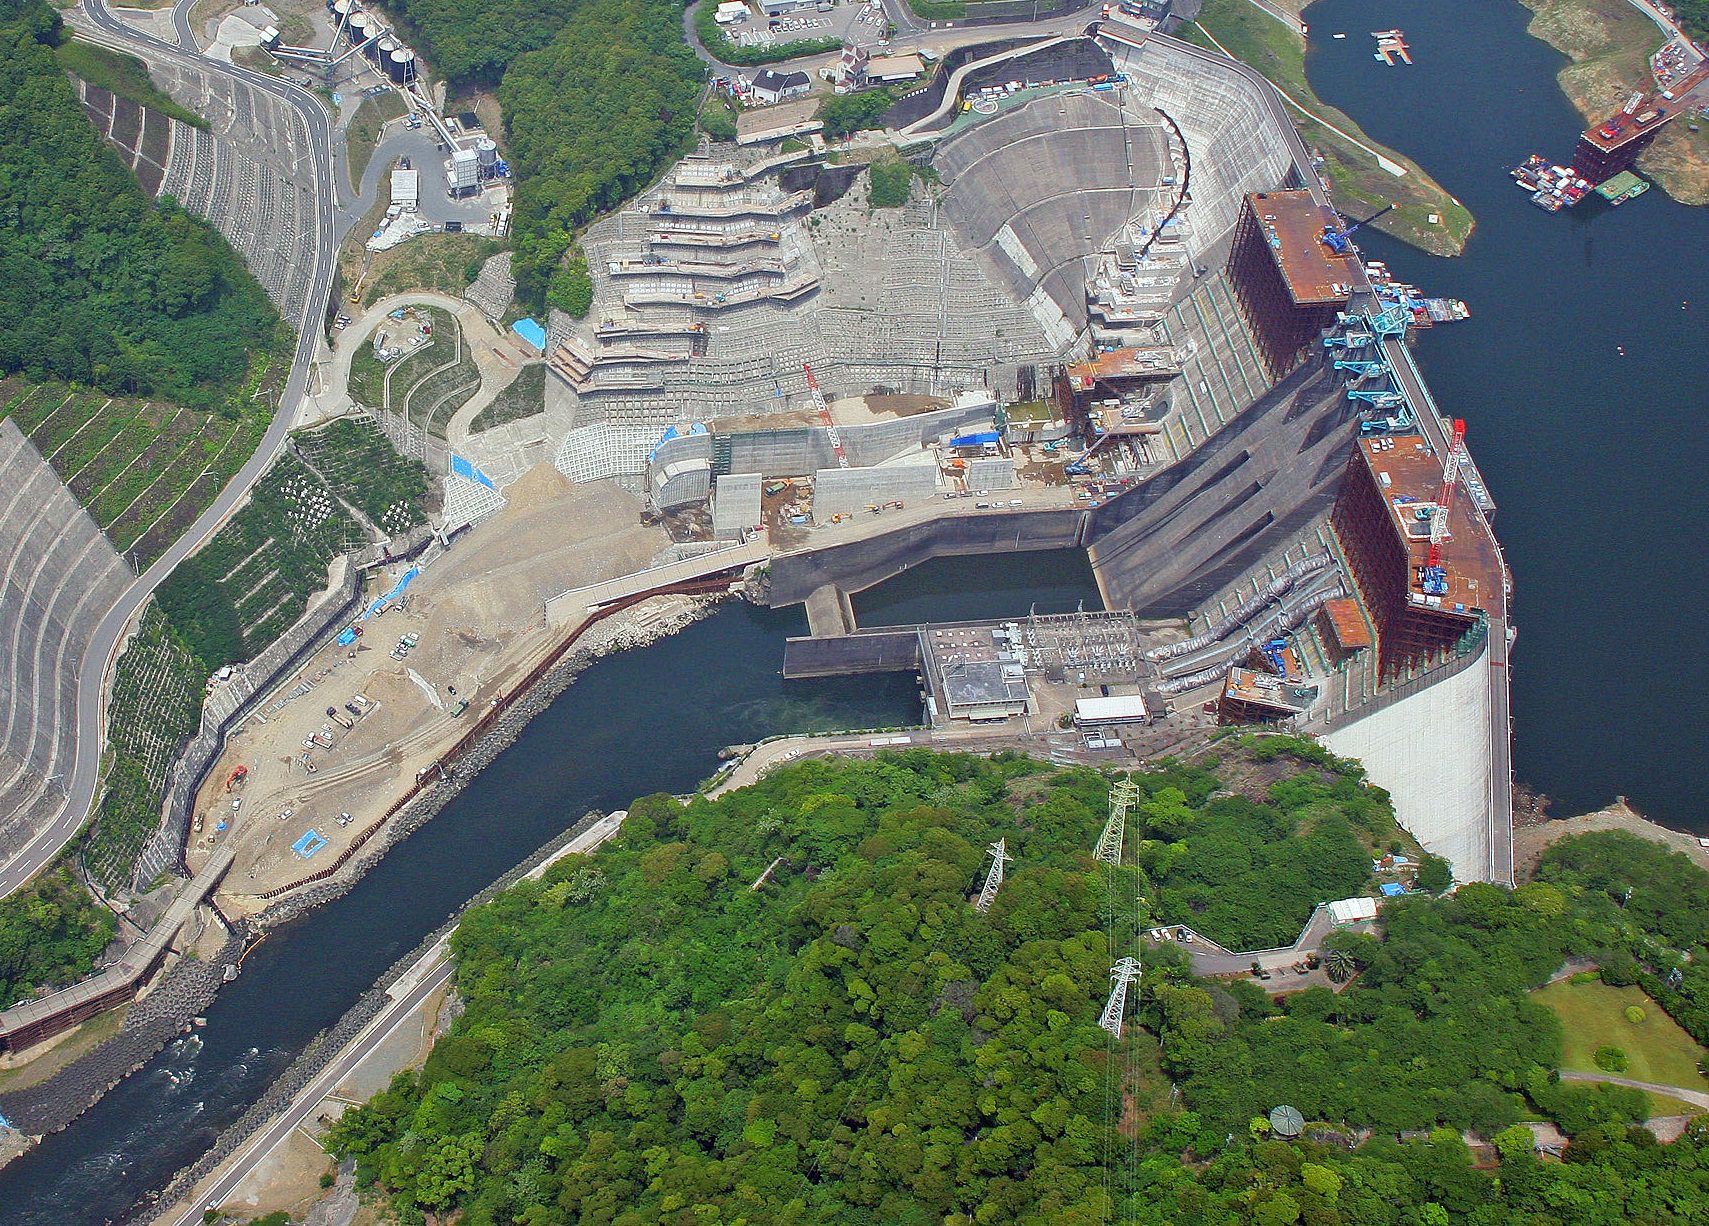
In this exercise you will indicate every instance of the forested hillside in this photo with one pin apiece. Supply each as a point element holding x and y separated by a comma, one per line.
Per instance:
<point>666,1031</point>
<point>598,96</point>
<point>98,284</point>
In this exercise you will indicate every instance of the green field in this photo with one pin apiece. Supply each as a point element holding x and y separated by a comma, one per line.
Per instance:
<point>364,131</point>
<point>124,75</point>
<point>255,578</point>
<point>143,468</point>
<point>1355,178</point>
<point>1593,1014</point>
<point>361,467</point>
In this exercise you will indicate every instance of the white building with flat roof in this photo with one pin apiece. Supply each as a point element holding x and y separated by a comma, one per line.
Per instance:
<point>406,189</point>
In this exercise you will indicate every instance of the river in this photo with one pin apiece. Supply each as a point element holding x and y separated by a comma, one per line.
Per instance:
<point>1591,456</point>
<point>641,722</point>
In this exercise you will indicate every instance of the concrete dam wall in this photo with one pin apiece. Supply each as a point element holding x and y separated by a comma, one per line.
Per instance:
<point>1168,546</point>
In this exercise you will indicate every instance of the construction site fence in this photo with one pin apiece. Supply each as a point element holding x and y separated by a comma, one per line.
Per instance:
<point>432,775</point>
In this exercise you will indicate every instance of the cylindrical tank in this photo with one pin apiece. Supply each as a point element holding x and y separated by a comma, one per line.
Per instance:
<point>357,30</point>
<point>395,65</point>
<point>341,11</point>
<point>372,50</point>
<point>403,61</point>
<point>486,153</point>
<point>386,45</point>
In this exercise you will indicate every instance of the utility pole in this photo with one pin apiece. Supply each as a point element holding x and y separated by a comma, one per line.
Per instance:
<point>994,878</point>
<point>1122,973</point>
<point>1122,795</point>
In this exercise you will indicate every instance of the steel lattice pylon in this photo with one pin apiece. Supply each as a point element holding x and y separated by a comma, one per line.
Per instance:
<point>1122,973</point>
<point>1122,796</point>
<point>993,879</point>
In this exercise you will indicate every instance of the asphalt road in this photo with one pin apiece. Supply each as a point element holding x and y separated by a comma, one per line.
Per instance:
<point>378,1031</point>
<point>82,778</point>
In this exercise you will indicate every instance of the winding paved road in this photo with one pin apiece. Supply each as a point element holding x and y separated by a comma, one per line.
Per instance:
<point>83,777</point>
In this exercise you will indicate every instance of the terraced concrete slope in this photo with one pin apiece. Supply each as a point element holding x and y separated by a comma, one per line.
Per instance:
<point>58,577</point>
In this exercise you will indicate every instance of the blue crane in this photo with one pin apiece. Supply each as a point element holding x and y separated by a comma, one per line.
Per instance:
<point>1340,239</point>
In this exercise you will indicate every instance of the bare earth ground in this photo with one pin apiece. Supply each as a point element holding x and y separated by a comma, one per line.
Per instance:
<point>1530,841</point>
<point>479,612</point>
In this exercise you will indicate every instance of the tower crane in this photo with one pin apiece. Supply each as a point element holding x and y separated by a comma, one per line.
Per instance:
<point>825,412</point>
<point>1435,578</point>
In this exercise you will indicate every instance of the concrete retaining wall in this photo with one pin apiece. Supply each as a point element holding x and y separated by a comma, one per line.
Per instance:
<point>860,564</point>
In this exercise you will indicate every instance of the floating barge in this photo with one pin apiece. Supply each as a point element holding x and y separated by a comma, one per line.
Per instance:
<point>1551,187</point>
<point>1391,46</point>
<point>1622,187</point>
<point>1422,312</point>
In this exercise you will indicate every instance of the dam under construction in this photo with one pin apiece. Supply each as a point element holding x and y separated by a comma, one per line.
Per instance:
<point>1130,322</point>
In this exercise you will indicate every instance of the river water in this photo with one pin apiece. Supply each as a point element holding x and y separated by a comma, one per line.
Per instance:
<point>1595,459</point>
<point>1592,456</point>
<point>641,722</point>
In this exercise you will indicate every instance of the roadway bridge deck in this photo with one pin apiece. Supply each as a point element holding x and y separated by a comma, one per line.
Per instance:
<point>578,602</point>
<point>29,1023</point>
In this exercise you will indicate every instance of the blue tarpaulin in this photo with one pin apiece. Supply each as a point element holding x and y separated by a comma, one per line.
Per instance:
<point>348,637</point>
<point>311,842</point>
<point>463,468</point>
<point>530,331</point>
<point>1392,889</point>
<point>975,440</point>
<point>379,605</point>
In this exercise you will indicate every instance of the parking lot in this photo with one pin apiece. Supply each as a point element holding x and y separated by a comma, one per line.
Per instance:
<point>859,23</point>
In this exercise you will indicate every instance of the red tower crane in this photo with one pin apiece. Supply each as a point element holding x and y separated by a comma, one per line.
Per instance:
<point>1435,579</point>
<point>825,412</point>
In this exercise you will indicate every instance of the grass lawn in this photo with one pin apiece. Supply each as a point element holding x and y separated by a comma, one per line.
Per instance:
<point>1356,180</point>
<point>363,134</point>
<point>1594,1014</point>
<point>125,75</point>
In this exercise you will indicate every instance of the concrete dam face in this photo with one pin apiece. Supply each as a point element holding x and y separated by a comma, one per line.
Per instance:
<point>1168,546</point>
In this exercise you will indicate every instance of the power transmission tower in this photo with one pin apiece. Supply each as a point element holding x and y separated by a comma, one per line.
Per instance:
<point>1122,796</point>
<point>1122,973</point>
<point>993,879</point>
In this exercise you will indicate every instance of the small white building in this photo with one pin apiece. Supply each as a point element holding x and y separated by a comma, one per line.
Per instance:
<point>732,11</point>
<point>771,87</point>
<point>889,69</point>
<point>1353,910</point>
<point>1109,712</point>
<point>406,189</point>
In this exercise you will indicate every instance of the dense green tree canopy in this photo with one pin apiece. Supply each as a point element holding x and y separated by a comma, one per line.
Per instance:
<point>653,1035</point>
<point>50,934</point>
<point>598,96</point>
<point>97,283</point>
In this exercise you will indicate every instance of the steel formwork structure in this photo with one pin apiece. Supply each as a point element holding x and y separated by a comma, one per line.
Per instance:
<point>1283,330</point>
<point>1407,634</point>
